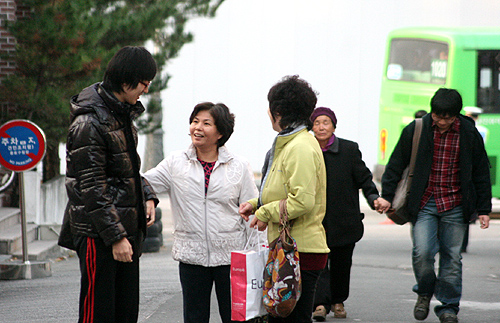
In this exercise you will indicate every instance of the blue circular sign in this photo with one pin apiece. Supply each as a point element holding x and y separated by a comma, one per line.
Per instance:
<point>22,145</point>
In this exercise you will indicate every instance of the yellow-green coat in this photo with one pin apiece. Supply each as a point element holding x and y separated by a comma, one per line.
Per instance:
<point>297,173</point>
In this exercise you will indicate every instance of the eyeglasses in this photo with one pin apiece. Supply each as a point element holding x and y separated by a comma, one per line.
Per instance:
<point>435,117</point>
<point>147,85</point>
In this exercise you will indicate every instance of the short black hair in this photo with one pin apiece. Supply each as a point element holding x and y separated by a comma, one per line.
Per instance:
<point>293,99</point>
<point>130,65</point>
<point>223,118</point>
<point>446,102</point>
<point>420,114</point>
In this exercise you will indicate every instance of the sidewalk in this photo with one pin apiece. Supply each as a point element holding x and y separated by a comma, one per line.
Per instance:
<point>381,281</point>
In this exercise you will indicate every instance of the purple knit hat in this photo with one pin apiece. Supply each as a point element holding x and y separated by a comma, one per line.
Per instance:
<point>326,112</point>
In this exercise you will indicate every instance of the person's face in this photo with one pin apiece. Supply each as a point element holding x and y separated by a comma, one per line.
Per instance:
<point>203,131</point>
<point>323,128</point>
<point>443,122</point>
<point>275,122</point>
<point>132,95</point>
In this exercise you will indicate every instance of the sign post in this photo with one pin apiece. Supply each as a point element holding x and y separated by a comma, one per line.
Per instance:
<point>22,147</point>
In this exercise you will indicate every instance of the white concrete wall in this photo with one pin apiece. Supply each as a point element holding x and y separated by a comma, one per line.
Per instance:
<point>45,203</point>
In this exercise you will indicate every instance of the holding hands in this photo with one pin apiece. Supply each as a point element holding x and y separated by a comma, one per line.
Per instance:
<point>381,205</point>
<point>246,209</point>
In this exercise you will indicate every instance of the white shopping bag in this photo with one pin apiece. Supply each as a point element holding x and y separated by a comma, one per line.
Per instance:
<point>247,267</point>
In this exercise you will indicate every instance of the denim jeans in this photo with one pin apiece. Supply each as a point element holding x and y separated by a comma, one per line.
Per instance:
<point>444,233</point>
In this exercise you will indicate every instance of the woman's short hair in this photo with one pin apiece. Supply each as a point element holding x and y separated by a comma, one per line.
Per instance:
<point>293,99</point>
<point>130,65</point>
<point>420,114</point>
<point>223,118</point>
<point>446,102</point>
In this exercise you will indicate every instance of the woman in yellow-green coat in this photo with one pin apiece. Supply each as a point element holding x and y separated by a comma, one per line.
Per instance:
<point>294,170</point>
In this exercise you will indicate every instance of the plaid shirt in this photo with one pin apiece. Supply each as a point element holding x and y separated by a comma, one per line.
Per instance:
<point>444,180</point>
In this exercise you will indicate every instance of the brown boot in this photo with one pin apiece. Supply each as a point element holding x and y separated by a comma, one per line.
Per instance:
<point>339,311</point>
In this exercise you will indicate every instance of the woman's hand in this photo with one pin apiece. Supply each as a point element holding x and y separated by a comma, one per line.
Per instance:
<point>381,205</point>
<point>246,209</point>
<point>260,225</point>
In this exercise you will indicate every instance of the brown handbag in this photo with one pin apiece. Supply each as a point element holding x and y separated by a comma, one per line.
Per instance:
<point>398,212</point>
<point>282,282</point>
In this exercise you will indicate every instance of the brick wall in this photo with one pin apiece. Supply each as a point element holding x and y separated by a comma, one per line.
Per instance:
<point>10,10</point>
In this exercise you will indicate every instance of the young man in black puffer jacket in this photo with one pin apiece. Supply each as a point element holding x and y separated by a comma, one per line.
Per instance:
<point>110,204</point>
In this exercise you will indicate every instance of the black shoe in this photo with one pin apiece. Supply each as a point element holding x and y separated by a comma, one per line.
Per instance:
<point>421,310</point>
<point>448,318</point>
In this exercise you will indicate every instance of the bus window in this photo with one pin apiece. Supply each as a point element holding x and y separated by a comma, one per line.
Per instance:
<point>417,60</point>
<point>488,91</point>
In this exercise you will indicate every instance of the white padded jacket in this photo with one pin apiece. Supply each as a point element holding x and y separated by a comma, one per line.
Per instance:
<point>206,228</point>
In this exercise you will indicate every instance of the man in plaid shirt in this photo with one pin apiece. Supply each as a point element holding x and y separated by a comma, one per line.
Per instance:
<point>451,184</point>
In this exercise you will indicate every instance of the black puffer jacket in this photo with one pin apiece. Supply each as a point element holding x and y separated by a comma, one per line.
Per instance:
<point>105,190</point>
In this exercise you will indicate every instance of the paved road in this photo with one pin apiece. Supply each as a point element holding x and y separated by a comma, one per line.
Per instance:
<point>381,282</point>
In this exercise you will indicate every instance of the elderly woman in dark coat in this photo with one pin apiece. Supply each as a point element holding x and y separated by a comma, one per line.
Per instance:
<point>346,175</point>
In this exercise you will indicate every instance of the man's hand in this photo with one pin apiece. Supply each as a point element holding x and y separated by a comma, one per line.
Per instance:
<point>484,220</point>
<point>150,212</point>
<point>122,250</point>
<point>381,205</point>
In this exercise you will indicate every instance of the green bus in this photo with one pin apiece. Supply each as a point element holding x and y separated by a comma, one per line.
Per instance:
<point>420,60</point>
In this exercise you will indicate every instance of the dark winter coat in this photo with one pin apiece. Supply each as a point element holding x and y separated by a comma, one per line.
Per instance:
<point>475,183</point>
<point>346,175</point>
<point>105,190</point>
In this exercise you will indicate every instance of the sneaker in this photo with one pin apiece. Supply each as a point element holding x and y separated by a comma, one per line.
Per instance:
<point>319,314</point>
<point>448,318</point>
<point>339,311</point>
<point>421,310</point>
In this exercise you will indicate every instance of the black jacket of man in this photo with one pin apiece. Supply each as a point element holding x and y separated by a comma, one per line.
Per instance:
<point>475,182</point>
<point>106,192</point>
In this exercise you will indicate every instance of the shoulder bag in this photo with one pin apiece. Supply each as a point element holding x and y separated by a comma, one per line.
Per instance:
<point>398,212</point>
<point>282,283</point>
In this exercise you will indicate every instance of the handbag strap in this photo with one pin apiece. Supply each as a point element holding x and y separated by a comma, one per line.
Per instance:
<point>284,223</point>
<point>416,140</point>
<point>284,228</point>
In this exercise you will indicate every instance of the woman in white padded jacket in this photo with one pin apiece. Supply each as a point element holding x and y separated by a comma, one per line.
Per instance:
<point>206,184</point>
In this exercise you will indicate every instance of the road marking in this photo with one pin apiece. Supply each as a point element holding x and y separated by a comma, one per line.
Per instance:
<point>485,306</point>
<point>481,305</point>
